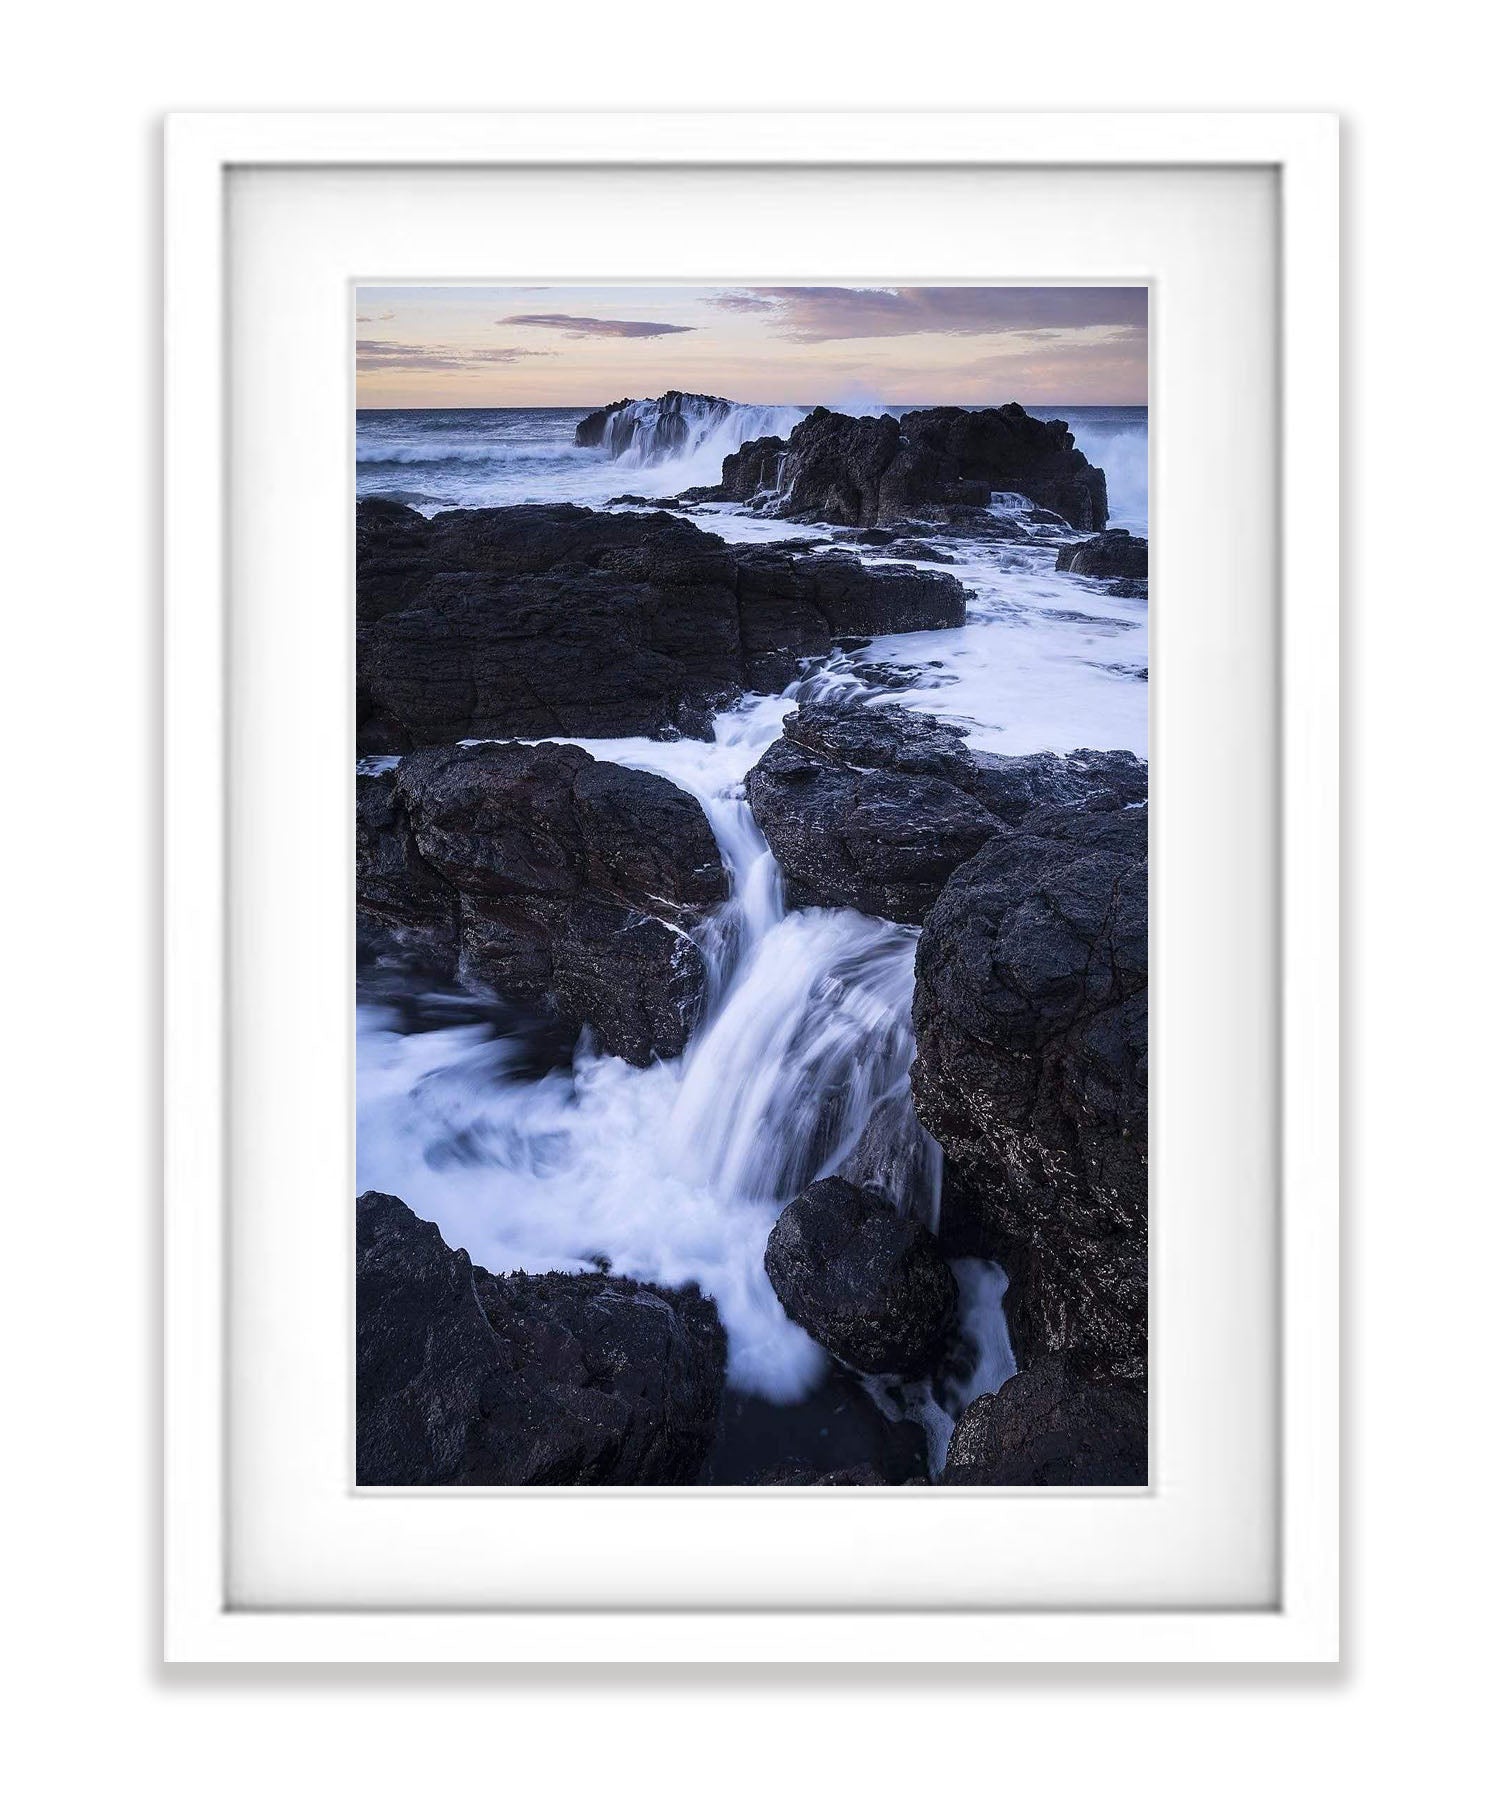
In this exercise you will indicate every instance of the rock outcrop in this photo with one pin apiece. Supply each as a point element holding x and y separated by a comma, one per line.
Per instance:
<point>1030,1019</point>
<point>468,1378</point>
<point>884,471</point>
<point>535,870</point>
<point>866,1282</point>
<point>654,428</point>
<point>1046,1428</point>
<point>1112,556</point>
<point>875,806</point>
<point>589,432</point>
<point>555,621</point>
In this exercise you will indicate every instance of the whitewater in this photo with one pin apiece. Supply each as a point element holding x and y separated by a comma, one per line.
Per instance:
<point>540,1155</point>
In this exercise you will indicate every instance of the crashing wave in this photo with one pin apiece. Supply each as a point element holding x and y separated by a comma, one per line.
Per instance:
<point>698,430</point>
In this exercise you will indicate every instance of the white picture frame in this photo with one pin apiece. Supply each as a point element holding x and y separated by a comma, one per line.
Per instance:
<point>201,1619</point>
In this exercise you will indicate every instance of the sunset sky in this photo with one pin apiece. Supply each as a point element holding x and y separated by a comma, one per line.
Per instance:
<point>556,346</point>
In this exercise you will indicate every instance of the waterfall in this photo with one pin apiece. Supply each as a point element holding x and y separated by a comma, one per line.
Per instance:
<point>674,1172</point>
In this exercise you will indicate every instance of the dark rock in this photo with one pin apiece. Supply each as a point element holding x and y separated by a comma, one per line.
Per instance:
<point>899,678</point>
<point>1015,787</point>
<point>751,471</point>
<point>397,894</point>
<point>550,877</point>
<point>863,1280</point>
<point>1047,1428</point>
<point>895,1154</point>
<point>1113,555</point>
<point>654,429</point>
<point>588,433</point>
<point>868,807</point>
<point>794,606</point>
<point>916,550</point>
<point>876,806</point>
<point>554,621</point>
<point>794,1474</point>
<point>468,1378</point>
<point>879,472</point>
<point>1030,1019</point>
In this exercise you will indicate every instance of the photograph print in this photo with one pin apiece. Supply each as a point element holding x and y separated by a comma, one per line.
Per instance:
<point>751,886</point>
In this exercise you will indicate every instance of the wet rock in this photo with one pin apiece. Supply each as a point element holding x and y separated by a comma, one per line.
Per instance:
<point>1047,1428</point>
<point>1113,555</point>
<point>794,1474</point>
<point>468,1378</point>
<point>868,808</point>
<point>589,432</point>
<point>895,1155</point>
<point>795,606</point>
<point>1030,1018</point>
<point>399,897</point>
<point>750,471</point>
<point>555,621</point>
<point>1016,787</point>
<point>654,429</point>
<point>879,472</point>
<point>978,522</point>
<point>866,1282</point>
<point>550,877</point>
<point>918,550</point>
<point>875,806</point>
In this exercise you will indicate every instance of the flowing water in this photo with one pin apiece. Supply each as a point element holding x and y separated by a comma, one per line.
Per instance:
<point>535,1155</point>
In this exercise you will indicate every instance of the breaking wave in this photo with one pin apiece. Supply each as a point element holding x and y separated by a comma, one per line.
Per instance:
<point>694,432</point>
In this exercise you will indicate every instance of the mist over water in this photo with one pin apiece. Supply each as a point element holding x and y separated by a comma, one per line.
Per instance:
<point>676,1173</point>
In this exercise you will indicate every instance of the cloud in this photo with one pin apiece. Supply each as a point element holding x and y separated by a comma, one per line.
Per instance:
<point>372,354</point>
<point>819,315</point>
<point>577,326</point>
<point>749,300</point>
<point>372,318</point>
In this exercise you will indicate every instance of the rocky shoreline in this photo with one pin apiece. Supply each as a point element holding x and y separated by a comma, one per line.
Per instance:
<point>542,621</point>
<point>547,875</point>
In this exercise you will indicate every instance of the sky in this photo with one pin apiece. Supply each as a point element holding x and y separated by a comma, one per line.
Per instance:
<point>801,346</point>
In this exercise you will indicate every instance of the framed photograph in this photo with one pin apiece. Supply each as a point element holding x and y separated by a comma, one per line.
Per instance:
<point>752,888</point>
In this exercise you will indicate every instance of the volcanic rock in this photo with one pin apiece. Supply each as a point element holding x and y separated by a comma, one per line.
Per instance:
<point>547,876</point>
<point>875,806</point>
<point>1030,1020</point>
<point>554,621</point>
<point>882,471</point>
<point>468,1378</point>
<point>1046,1428</point>
<point>863,1280</point>
<point>661,427</point>
<point>1113,556</point>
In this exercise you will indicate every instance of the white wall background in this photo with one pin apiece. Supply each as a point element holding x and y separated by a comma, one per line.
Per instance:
<point>79,374</point>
